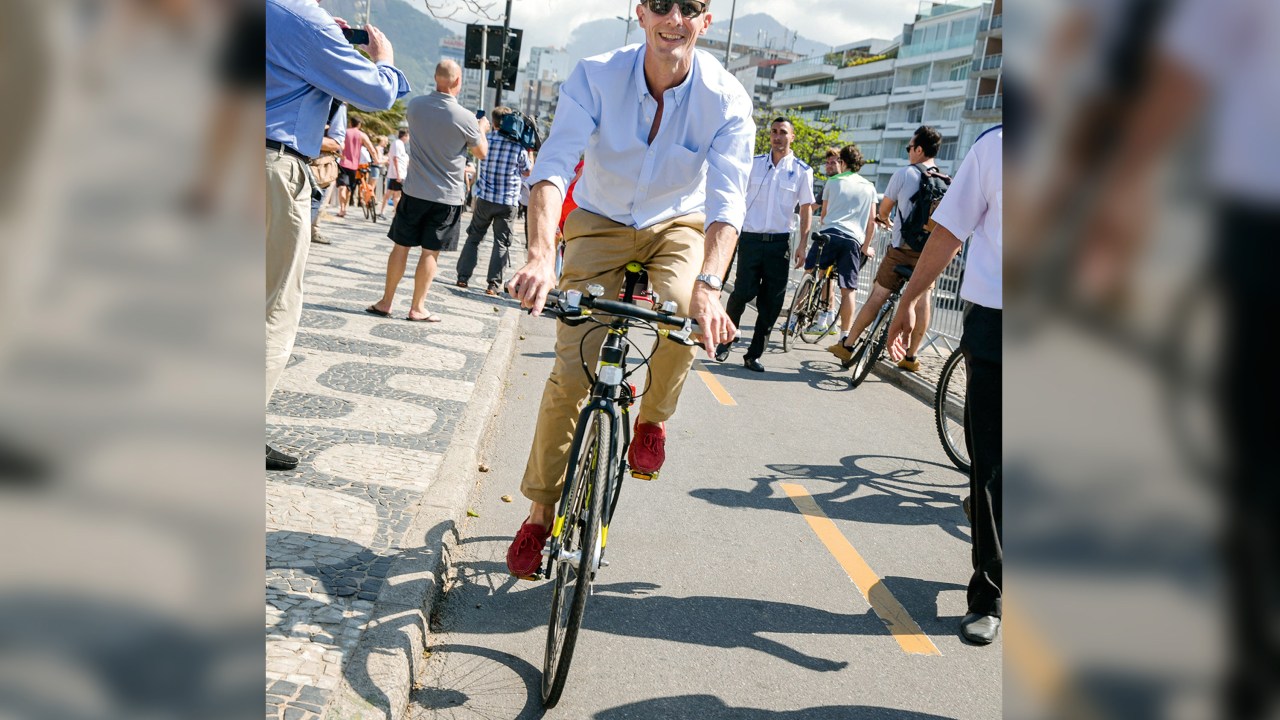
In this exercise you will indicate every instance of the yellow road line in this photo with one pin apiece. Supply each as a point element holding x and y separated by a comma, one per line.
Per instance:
<point>895,617</point>
<point>714,385</point>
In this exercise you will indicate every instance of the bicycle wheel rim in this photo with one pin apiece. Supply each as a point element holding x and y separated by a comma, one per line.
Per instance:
<point>948,411</point>
<point>868,348</point>
<point>812,307</point>
<point>572,582</point>
<point>790,326</point>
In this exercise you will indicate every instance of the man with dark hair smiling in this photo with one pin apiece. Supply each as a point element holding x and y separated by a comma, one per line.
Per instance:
<point>667,135</point>
<point>779,181</point>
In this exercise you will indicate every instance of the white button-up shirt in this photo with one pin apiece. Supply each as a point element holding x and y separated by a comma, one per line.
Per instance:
<point>975,205</point>
<point>698,162</point>
<point>773,193</point>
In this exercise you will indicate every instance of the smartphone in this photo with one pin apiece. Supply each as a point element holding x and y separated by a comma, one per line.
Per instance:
<point>479,114</point>
<point>356,37</point>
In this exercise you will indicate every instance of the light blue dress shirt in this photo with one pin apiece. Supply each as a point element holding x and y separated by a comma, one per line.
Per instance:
<point>309,62</point>
<point>698,162</point>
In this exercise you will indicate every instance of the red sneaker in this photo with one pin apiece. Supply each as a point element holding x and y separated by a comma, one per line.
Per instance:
<point>648,448</point>
<point>524,557</point>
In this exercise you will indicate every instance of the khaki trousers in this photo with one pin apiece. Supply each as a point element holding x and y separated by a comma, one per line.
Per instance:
<point>288,240</point>
<point>597,251</point>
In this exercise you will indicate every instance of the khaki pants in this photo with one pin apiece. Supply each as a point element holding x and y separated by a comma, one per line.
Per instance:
<point>597,251</point>
<point>288,239</point>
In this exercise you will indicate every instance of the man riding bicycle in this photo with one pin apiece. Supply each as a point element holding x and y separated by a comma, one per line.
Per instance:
<point>674,202</point>
<point>848,224</point>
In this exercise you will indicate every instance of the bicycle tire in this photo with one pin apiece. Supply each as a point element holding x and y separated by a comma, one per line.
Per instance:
<point>797,313</point>
<point>870,345</point>
<point>582,523</point>
<point>815,308</point>
<point>948,411</point>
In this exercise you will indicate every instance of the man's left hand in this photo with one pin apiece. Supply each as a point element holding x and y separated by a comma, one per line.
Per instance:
<point>713,322</point>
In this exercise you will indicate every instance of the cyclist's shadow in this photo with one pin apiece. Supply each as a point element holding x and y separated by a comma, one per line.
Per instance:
<point>905,494</point>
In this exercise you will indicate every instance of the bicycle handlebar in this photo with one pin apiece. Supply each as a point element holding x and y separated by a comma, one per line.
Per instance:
<point>558,304</point>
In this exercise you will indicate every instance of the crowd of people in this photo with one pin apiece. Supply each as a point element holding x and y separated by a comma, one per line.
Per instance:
<point>622,140</point>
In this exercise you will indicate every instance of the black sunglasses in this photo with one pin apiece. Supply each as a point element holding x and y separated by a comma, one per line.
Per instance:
<point>688,8</point>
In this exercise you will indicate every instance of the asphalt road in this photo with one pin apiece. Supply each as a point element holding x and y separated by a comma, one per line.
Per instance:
<point>734,585</point>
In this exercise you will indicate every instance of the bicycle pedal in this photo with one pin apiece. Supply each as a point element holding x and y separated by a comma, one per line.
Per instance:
<point>644,476</point>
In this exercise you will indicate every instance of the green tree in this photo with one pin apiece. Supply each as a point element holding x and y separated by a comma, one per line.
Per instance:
<point>383,122</point>
<point>811,143</point>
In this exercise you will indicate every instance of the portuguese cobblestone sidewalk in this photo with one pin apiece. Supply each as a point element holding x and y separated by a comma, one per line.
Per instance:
<point>370,405</point>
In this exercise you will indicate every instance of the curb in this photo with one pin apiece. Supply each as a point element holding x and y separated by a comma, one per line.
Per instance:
<point>908,381</point>
<point>386,664</point>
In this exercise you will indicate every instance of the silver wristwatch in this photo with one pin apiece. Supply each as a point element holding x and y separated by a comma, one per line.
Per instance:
<point>712,281</point>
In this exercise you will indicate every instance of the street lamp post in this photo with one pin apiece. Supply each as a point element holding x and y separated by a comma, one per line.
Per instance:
<point>626,40</point>
<point>728,46</point>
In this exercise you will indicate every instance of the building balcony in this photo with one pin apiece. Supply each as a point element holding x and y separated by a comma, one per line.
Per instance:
<point>806,70</point>
<point>805,96</point>
<point>990,62</point>
<point>859,102</point>
<point>908,92</point>
<point>984,102</point>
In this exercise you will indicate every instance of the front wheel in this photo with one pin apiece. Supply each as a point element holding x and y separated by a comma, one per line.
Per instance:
<point>577,549</point>
<point>799,315</point>
<point>948,410</point>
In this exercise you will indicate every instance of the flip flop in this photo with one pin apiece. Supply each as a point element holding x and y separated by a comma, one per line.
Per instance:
<point>375,311</point>
<point>430,318</point>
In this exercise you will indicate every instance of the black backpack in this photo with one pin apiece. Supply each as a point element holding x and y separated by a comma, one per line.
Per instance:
<point>521,129</point>
<point>917,225</point>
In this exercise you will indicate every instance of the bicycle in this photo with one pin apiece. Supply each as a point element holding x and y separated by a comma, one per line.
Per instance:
<point>597,460</point>
<point>871,343</point>
<point>811,299</point>
<point>365,195</point>
<point>948,410</point>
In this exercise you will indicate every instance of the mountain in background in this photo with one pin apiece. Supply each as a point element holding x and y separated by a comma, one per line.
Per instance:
<point>761,30</point>
<point>415,37</point>
<point>598,36</point>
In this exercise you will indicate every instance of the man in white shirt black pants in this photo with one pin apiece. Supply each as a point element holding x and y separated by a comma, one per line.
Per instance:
<point>779,180</point>
<point>974,205</point>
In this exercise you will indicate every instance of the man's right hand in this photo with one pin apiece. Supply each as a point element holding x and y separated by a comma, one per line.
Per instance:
<point>379,47</point>
<point>531,284</point>
<point>485,125</point>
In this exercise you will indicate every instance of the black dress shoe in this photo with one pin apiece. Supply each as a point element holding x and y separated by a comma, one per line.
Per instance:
<point>277,460</point>
<point>979,629</point>
<point>722,351</point>
<point>752,364</point>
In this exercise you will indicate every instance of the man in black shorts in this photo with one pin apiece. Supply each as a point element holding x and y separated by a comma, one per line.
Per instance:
<point>429,210</point>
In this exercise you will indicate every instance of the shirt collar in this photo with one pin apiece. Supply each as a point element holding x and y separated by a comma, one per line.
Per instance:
<point>679,92</point>
<point>786,159</point>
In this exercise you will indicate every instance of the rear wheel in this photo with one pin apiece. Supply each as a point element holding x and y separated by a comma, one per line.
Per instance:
<point>578,549</point>
<point>800,314</point>
<point>868,348</point>
<point>948,410</point>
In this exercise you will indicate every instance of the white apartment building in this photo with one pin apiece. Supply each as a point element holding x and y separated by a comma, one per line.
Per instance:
<point>539,89</point>
<point>878,92</point>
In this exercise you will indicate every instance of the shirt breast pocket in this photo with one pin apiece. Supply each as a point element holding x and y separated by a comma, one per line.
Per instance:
<point>681,167</point>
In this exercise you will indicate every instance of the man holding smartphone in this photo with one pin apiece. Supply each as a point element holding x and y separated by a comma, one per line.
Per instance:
<point>309,63</point>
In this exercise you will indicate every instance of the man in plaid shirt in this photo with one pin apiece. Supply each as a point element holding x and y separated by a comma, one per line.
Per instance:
<point>497,192</point>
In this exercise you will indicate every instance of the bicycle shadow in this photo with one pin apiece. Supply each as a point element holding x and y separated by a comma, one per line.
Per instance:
<point>629,609</point>
<point>900,498</point>
<point>710,707</point>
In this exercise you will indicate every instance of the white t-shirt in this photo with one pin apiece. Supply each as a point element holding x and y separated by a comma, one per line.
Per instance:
<point>902,187</point>
<point>974,205</point>
<point>364,156</point>
<point>849,198</point>
<point>398,160</point>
